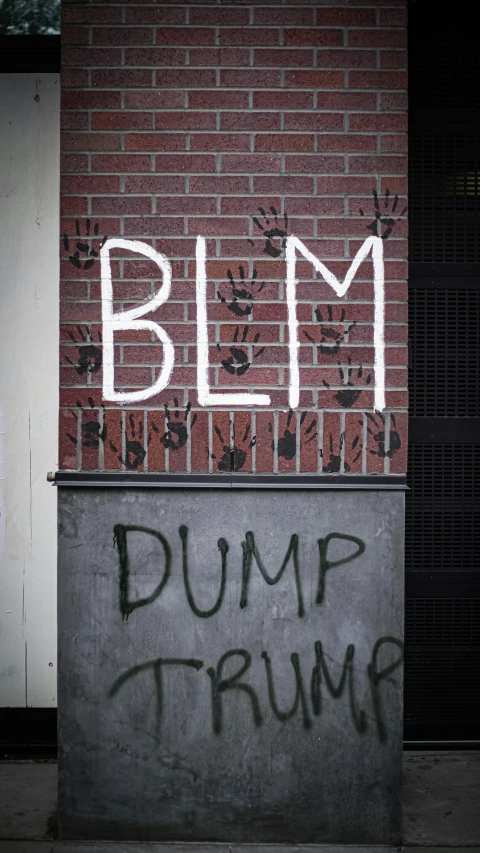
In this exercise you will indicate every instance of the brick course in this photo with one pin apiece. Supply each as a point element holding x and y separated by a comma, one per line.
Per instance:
<point>191,118</point>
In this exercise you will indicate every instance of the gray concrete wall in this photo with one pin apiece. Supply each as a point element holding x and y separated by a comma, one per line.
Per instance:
<point>200,701</point>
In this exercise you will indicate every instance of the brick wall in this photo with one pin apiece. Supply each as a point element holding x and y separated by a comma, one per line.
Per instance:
<point>243,122</point>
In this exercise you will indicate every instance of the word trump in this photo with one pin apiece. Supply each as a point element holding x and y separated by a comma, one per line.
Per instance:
<point>132,320</point>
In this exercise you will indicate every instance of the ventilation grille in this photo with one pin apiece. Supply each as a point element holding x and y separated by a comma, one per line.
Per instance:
<point>444,352</point>
<point>442,660</point>
<point>442,521</point>
<point>444,186</point>
<point>443,57</point>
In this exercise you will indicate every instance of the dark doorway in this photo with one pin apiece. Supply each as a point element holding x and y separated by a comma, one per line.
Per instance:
<point>442,660</point>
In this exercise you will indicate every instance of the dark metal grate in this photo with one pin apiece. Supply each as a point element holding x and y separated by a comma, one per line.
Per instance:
<point>444,189</point>
<point>443,508</point>
<point>442,661</point>
<point>444,352</point>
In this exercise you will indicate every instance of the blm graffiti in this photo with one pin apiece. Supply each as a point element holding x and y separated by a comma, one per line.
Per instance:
<point>326,673</point>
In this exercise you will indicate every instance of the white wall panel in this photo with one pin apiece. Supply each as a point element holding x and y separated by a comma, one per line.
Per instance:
<point>29,193</point>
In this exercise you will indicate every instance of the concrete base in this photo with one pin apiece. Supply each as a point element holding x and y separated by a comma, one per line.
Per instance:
<point>205,694</point>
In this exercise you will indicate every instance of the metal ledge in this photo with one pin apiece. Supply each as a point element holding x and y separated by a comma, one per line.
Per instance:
<point>227,481</point>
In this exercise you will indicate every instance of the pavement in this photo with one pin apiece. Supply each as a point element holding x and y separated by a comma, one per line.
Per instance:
<point>441,812</point>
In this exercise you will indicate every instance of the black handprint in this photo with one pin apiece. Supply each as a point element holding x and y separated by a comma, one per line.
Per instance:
<point>134,450</point>
<point>331,339</point>
<point>349,395</point>
<point>287,444</point>
<point>334,462</point>
<point>379,437</point>
<point>85,248</point>
<point>233,458</point>
<point>353,446</point>
<point>383,218</point>
<point>275,236</point>
<point>92,433</point>
<point>237,362</point>
<point>176,434</point>
<point>89,356</point>
<point>241,289</point>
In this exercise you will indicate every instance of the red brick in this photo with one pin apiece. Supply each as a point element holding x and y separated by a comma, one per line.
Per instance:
<point>377,121</point>
<point>280,100</point>
<point>162,15</point>
<point>344,184</point>
<point>185,163</point>
<point>377,38</point>
<point>154,56</point>
<point>393,17</point>
<point>219,142</point>
<point>282,184</point>
<point>251,78</point>
<point>346,142</point>
<point>390,101</point>
<point>284,142</point>
<point>155,141</point>
<point>302,16</point>
<point>185,121</point>
<point>80,14</point>
<point>217,57</point>
<point>315,36</point>
<point>121,121</point>
<point>199,454</point>
<point>385,165</point>
<point>393,59</point>
<point>250,121</point>
<point>283,58</point>
<point>121,78</point>
<point>264,442</point>
<point>90,141</point>
<point>315,79</point>
<point>398,459</point>
<point>347,101</point>
<point>218,100</point>
<point>346,59</point>
<point>184,35</point>
<point>308,442</point>
<point>68,446</point>
<point>74,78</point>
<point>73,206</point>
<point>394,143</point>
<point>375,443</point>
<point>250,163</point>
<point>74,35</point>
<point>288,442</point>
<point>353,443</point>
<point>314,163</point>
<point>313,121</point>
<point>154,184</point>
<point>220,17</point>
<point>221,443</point>
<point>219,184</point>
<point>184,78</point>
<point>89,100</point>
<point>377,79</point>
<point>153,99</point>
<point>121,163</point>
<point>84,56</point>
<point>249,37</point>
<point>243,440</point>
<point>345,17</point>
<point>331,457</point>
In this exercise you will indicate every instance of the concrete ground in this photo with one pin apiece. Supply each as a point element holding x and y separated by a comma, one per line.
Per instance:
<point>441,812</point>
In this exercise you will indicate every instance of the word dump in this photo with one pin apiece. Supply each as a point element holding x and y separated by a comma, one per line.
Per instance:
<point>250,553</point>
<point>133,320</point>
